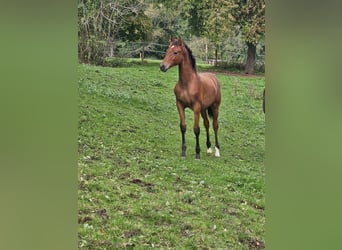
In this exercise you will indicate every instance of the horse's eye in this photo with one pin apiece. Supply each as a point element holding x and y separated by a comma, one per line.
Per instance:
<point>175,53</point>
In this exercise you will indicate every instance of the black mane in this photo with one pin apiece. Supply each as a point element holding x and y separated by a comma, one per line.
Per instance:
<point>191,56</point>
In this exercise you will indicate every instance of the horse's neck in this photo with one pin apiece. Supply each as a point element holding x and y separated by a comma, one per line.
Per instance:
<point>186,72</point>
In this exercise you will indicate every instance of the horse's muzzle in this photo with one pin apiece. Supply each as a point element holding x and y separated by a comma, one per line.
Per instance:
<point>163,68</point>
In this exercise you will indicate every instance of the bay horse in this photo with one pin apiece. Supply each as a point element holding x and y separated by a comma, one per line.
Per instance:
<point>198,91</point>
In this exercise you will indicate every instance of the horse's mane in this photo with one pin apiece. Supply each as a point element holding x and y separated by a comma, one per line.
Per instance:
<point>191,56</point>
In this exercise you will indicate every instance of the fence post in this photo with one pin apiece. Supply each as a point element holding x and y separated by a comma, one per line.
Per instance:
<point>142,53</point>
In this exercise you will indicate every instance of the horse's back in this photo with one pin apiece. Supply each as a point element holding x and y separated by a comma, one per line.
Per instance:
<point>209,79</point>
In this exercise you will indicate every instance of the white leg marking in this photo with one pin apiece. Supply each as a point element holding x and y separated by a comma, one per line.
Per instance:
<point>217,152</point>
<point>209,151</point>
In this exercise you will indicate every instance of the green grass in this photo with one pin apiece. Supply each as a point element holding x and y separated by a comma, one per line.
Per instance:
<point>137,192</point>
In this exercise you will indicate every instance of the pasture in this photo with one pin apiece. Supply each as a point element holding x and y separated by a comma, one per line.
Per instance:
<point>135,189</point>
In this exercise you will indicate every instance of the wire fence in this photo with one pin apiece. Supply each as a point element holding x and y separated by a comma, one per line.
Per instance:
<point>232,57</point>
<point>141,49</point>
<point>154,50</point>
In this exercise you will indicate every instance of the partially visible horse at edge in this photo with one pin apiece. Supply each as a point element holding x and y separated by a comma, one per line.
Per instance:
<point>197,91</point>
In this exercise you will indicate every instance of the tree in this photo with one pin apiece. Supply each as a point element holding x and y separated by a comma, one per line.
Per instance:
<point>249,16</point>
<point>217,25</point>
<point>100,22</point>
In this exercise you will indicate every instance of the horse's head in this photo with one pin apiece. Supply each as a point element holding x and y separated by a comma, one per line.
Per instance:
<point>174,54</point>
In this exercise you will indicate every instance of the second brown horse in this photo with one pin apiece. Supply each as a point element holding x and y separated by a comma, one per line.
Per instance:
<point>197,91</point>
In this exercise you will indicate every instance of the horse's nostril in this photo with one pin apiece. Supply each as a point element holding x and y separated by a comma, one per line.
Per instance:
<point>163,68</point>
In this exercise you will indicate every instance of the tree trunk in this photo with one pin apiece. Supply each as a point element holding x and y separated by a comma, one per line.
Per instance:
<point>216,55</point>
<point>107,49</point>
<point>111,53</point>
<point>251,56</point>
<point>206,52</point>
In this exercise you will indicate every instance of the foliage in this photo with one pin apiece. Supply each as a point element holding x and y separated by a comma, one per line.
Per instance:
<point>249,16</point>
<point>135,191</point>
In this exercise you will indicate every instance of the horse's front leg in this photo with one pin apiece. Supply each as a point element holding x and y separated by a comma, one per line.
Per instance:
<point>197,110</point>
<point>182,126</point>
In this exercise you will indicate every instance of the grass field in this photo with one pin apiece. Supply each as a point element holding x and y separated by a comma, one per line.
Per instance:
<point>135,189</point>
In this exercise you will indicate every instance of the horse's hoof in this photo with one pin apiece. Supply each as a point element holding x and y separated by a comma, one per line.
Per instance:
<point>217,152</point>
<point>209,151</point>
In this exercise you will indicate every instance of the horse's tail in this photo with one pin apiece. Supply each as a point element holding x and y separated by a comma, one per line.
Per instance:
<point>210,112</point>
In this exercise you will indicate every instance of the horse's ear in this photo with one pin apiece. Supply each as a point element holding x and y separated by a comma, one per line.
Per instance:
<point>180,42</point>
<point>171,39</point>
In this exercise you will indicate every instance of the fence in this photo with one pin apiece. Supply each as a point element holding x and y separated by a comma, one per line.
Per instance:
<point>232,57</point>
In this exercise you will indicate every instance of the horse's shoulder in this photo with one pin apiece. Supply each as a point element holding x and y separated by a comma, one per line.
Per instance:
<point>178,89</point>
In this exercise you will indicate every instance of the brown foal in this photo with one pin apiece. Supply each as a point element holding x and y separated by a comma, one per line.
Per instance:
<point>197,91</point>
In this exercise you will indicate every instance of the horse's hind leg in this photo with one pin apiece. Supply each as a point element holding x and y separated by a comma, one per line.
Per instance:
<point>215,125</point>
<point>206,125</point>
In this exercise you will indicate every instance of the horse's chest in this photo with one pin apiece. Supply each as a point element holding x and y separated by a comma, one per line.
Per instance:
<point>186,96</point>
